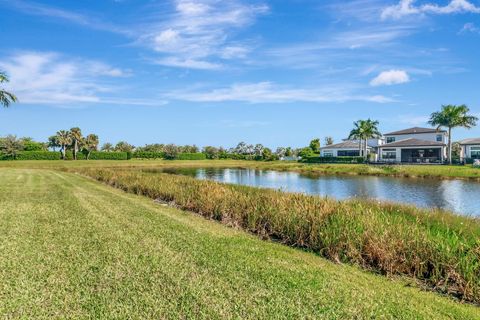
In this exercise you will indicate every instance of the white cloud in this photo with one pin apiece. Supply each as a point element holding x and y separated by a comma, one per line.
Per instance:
<point>387,78</point>
<point>407,8</point>
<point>267,92</point>
<point>198,33</point>
<point>470,27</point>
<point>50,78</point>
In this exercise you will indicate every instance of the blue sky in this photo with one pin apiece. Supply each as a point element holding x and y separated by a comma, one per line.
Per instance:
<point>216,72</point>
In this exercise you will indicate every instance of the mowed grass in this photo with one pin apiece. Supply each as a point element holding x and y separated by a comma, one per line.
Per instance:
<point>408,171</point>
<point>73,248</point>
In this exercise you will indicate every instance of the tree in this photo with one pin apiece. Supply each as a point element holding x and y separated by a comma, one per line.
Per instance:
<point>171,151</point>
<point>64,140</point>
<point>268,155</point>
<point>362,131</point>
<point>6,98</point>
<point>107,147</point>
<point>91,144</point>
<point>30,145</point>
<point>124,146</point>
<point>280,152</point>
<point>258,150</point>
<point>288,152</point>
<point>305,153</point>
<point>76,136</point>
<point>452,116</point>
<point>53,142</point>
<point>211,152</point>
<point>315,145</point>
<point>10,146</point>
<point>328,141</point>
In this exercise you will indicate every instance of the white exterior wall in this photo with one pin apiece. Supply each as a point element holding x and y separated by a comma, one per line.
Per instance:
<point>399,152</point>
<point>466,150</point>
<point>420,136</point>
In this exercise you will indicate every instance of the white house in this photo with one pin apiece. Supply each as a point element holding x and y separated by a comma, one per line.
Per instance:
<point>414,145</point>
<point>346,148</point>
<point>470,148</point>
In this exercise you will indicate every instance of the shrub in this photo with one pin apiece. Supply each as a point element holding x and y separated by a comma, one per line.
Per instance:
<point>148,155</point>
<point>191,156</point>
<point>39,155</point>
<point>334,160</point>
<point>96,155</point>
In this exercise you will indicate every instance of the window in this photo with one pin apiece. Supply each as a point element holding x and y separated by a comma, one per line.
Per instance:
<point>390,139</point>
<point>475,152</point>
<point>389,154</point>
<point>328,154</point>
<point>439,138</point>
<point>348,153</point>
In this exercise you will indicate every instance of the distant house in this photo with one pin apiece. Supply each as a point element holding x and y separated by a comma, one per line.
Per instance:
<point>347,148</point>
<point>470,148</point>
<point>414,145</point>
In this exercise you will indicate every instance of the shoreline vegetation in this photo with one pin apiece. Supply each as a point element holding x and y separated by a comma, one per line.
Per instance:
<point>437,248</point>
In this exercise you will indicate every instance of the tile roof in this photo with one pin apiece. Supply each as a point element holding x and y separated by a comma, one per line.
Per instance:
<point>413,143</point>
<point>470,141</point>
<point>348,144</point>
<point>413,131</point>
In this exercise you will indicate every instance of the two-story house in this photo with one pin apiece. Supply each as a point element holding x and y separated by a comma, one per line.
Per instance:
<point>414,145</point>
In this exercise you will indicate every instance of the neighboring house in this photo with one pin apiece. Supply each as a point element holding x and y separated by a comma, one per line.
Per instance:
<point>414,145</point>
<point>470,148</point>
<point>347,148</point>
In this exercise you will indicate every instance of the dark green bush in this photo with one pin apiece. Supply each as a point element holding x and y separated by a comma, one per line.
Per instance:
<point>191,156</point>
<point>39,155</point>
<point>148,155</point>
<point>334,160</point>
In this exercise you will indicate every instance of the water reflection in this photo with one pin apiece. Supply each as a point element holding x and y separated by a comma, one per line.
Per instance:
<point>455,195</point>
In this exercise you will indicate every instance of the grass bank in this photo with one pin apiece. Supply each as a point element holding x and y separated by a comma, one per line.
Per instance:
<point>438,248</point>
<point>71,247</point>
<point>407,171</point>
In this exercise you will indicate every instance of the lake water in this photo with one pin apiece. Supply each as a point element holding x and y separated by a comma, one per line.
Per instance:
<point>455,195</point>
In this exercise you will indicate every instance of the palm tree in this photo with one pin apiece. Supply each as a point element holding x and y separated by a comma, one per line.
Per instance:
<point>63,139</point>
<point>53,143</point>
<point>6,98</point>
<point>452,116</point>
<point>76,136</point>
<point>107,147</point>
<point>364,130</point>
<point>91,144</point>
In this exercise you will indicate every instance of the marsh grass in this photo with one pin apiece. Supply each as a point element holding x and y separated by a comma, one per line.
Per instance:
<point>440,249</point>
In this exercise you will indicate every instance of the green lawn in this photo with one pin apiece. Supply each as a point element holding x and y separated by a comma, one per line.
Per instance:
<point>73,248</point>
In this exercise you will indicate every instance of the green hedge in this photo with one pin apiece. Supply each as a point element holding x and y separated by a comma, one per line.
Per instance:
<point>334,160</point>
<point>148,155</point>
<point>39,155</point>
<point>191,156</point>
<point>96,155</point>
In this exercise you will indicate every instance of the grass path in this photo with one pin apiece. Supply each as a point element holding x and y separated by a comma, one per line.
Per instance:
<point>71,247</point>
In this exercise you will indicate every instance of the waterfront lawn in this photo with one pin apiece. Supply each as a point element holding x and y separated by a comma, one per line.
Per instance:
<point>73,248</point>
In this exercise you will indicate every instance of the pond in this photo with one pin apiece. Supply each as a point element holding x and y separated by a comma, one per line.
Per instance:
<point>460,196</point>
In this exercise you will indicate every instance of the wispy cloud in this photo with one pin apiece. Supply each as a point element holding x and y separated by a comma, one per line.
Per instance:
<point>38,9</point>
<point>50,78</point>
<point>408,8</point>
<point>390,77</point>
<point>197,34</point>
<point>267,92</point>
<point>470,28</point>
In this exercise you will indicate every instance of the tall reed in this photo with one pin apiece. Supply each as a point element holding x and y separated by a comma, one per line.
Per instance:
<point>439,248</point>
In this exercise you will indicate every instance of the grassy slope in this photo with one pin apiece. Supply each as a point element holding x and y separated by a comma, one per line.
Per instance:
<point>425,171</point>
<point>73,247</point>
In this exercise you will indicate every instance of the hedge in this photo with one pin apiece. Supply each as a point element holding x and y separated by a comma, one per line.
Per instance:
<point>148,155</point>
<point>38,155</point>
<point>96,155</point>
<point>333,160</point>
<point>191,156</point>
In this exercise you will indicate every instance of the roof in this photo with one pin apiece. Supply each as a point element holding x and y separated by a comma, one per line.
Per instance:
<point>412,143</point>
<point>414,130</point>
<point>349,144</point>
<point>470,141</point>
